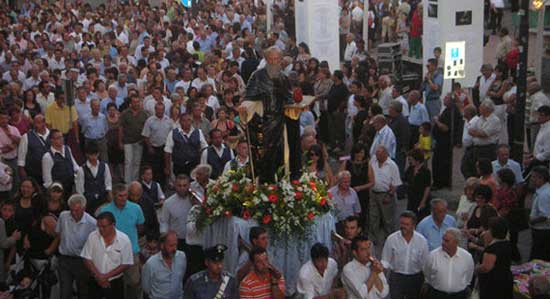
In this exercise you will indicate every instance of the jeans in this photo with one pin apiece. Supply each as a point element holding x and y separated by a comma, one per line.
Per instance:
<point>433,107</point>
<point>132,160</point>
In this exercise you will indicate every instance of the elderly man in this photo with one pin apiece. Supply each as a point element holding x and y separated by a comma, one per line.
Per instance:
<point>404,253</point>
<point>73,228</point>
<point>434,226</point>
<point>449,269</point>
<point>136,195</point>
<point>363,277</point>
<point>417,116</point>
<point>537,98</point>
<point>503,161</point>
<point>344,197</point>
<point>540,214</point>
<point>385,95</point>
<point>129,220</point>
<point>351,47</point>
<point>384,136</point>
<point>317,277</point>
<point>541,150</point>
<point>382,196</point>
<point>107,254</point>
<point>162,276</point>
<point>155,131</point>
<point>485,132</point>
<point>112,97</point>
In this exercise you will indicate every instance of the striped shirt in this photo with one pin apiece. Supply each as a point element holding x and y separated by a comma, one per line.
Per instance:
<point>253,287</point>
<point>386,138</point>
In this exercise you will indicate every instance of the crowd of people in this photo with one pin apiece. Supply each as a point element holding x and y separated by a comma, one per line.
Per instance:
<point>114,120</point>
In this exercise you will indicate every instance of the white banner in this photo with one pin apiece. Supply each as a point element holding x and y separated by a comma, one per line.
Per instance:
<point>324,41</point>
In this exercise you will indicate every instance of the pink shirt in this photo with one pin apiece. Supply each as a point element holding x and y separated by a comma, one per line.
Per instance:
<point>5,140</point>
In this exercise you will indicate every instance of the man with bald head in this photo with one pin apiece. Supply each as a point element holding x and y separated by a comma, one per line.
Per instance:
<point>384,136</point>
<point>32,147</point>
<point>136,195</point>
<point>271,87</point>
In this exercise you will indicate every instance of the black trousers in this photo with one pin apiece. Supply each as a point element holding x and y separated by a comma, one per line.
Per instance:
<point>540,248</point>
<point>468,163</point>
<point>488,151</point>
<point>405,286</point>
<point>71,269</point>
<point>156,160</point>
<point>496,18</point>
<point>435,294</point>
<point>115,291</point>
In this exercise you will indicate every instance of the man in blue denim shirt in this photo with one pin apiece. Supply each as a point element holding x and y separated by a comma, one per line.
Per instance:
<point>433,83</point>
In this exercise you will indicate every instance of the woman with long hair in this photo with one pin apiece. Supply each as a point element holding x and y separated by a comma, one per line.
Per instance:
<point>317,163</point>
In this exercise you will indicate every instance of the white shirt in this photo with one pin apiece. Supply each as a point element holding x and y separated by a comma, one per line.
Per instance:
<point>184,84</point>
<point>47,165</point>
<point>310,282</point>
<point>449,274</point>
<point>81,178</point>
<point>404,104</point>
<point>490,126</point>
<point>385,100</point>
<point>538,100</point>
<point>354,278</point>
<point>357,14</point>
<point>385,176</point>
<point>541,151</point>
<point>157,129</point>
<point>23,147</point>
<point>219,152</point>
<point>467,139</point>
<point>198,83</point>
<point>405,257</point>
<point>169,145</point>
<point>213,103</point>
<point>106,259</point>
<point>497,3</point>
<point>484,84</point>
<point>351,49</point>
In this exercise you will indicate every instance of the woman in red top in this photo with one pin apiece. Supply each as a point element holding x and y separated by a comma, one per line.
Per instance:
<point>512,59</point>
<point>415,34</point>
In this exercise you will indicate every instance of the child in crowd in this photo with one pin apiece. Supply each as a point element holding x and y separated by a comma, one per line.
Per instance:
<point>425,139</point>
<point>151,189</point>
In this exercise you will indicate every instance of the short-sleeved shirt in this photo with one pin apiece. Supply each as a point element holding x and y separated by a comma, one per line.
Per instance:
<point>61,118</point>
<point>127,220</point>
<point>132,126</point>
<point>107,258</point>
<point>252,287</point>
<point>434,233</point>
<point>346,204</point>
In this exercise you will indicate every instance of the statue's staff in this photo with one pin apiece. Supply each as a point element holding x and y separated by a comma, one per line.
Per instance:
<point>243,113</point>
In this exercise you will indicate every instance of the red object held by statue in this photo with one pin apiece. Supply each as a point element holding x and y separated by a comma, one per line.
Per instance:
<point>298,95</point>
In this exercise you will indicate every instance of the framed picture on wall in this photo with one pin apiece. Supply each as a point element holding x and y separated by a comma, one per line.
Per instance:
<point>464,18</point>
<point>432,10</point>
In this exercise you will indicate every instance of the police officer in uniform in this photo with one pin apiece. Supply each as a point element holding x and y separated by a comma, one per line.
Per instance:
<point>212,283</point>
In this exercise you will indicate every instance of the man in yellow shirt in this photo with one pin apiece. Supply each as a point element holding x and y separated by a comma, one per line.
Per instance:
<point>62,117</point>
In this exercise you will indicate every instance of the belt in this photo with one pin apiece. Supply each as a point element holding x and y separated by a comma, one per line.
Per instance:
<point>379,192</point>
<point>407,275</point>
<point>95,139</point>
<point>447,293</point>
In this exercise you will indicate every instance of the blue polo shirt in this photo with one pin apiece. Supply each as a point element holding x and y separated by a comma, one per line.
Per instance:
<point>432,232</point>
<point>127,220</point>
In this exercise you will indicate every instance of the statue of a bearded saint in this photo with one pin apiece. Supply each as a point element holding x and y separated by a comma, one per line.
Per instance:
<point>267,93</point>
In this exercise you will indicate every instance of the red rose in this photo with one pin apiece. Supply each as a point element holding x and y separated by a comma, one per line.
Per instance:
<point>266,219</point>
<point>298,195</point>
<point>313,185</point>
<point>235,187</point>
<point>295,182</point>
<point>323,201</point>
<point>298,95</point>
<point>227,214</point>
<point>246,215</point>
<point>273,198</point>
<point>310,215</point>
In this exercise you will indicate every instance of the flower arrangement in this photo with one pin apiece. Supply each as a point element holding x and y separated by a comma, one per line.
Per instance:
<point>285,207</point>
